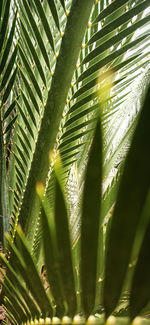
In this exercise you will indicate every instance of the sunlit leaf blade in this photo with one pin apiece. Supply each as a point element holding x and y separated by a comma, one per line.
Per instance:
<point>20,177</point>
<point>10,109</point>
<point>10,125</point>
<point>29,109</point>
<point>111,8</point>
<point>26,121</point>
<point>140,289</point>
<point>63,3</point>
<point>73,138</point>
<point>37,33</point>
<point>92,83</point>
<point>130,201</point>
<point>4,23</point>
<point>107,44</point>
<point>24,146</point>
<point>20,164</point>
<point>9,69</point>
<point>9,87</point>
<point>110,195</point>
<point>110,57</point>
<point>119,21</point>
<point>76,128</point>
<point>44,22</point>
<point>25,138</point>
<point>34,54</point>
<point>8,45</point>
<point>90,219</point>
<point>113,157</point>
<point>64,246</point>
<point>54,12</point>
<point>31,93</point>
<point>21,154</point>
<point>30,73</point>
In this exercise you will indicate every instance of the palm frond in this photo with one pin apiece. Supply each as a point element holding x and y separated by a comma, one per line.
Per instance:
<point>47,96</point>
<point>128,197</point>
<point>8,71</point>
<point>82,97</point>
<point>60,63</point>
<point>22,268</point>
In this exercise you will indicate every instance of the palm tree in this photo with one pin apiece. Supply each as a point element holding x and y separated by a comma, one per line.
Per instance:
<point>74,75</point>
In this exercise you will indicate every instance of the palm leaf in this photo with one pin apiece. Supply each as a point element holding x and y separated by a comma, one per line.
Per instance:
<point>49,101</point>
<point>29,16</point>
<point>8,70</point>
<point>90,222</point>
<point>132,193</point>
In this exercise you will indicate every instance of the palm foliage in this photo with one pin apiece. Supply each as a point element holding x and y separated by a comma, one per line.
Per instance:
<point>60,62</point>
